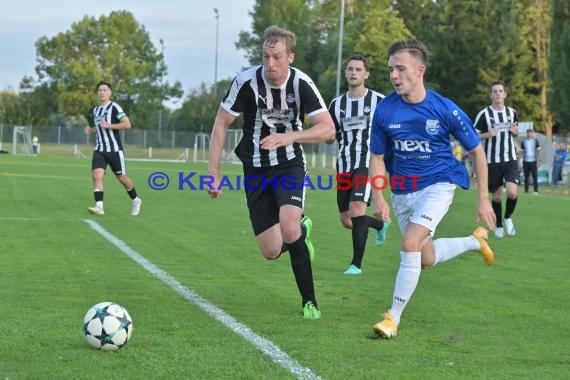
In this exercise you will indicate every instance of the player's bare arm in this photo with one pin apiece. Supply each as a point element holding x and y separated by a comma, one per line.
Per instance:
<point>378,168</point>
<point>125,123</point>
<point>514,129</point>
<point>484,209</point>
<point>486,135</point>
<point>217,139</point>
<point>88,130</point>
<point>321,130</point>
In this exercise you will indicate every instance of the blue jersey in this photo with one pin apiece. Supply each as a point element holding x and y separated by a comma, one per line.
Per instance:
<point>415,141</point>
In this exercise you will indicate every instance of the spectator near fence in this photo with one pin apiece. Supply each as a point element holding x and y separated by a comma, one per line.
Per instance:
<point>531,158</point>
<point>560,156</point>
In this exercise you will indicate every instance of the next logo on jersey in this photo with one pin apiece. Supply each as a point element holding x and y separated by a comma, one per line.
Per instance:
<point>412,145</point>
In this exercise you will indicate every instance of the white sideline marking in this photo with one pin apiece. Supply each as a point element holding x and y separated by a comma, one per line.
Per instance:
<point>265,346</point>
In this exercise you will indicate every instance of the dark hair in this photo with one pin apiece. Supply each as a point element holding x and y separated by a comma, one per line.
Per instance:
<point>499,82</point>
<point>104,82</point>
<point>274,34</point>
<point>414,47</point>
<point>357,57</point>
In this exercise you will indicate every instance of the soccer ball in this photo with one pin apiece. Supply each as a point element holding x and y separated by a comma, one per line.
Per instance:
<point>107,326</point>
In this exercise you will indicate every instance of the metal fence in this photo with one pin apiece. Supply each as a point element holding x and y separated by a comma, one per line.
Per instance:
<point>182,145</point>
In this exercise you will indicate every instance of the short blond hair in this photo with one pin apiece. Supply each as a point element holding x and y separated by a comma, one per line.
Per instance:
<point>275,34</point>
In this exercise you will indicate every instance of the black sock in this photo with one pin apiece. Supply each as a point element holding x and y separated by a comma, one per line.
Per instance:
<point>359,237</point>
<point>511,204</point>
<point>301,265</point>
<point>377,224</point>
<point>132,193</point>
<point>497,207</point>
<point>98,194</point>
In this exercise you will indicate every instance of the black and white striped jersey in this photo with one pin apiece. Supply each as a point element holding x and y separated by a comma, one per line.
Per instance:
<point>352,119</point>
<point>268,109</point>
<point>530,148</point>
<point>108,140</point>
<point>499,148</point>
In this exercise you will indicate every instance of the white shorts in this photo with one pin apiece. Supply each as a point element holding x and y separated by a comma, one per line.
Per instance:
<point>425,207</point>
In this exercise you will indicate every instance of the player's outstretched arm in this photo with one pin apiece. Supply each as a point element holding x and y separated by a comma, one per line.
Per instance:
<point>217,139</point>
<point>484,209</point>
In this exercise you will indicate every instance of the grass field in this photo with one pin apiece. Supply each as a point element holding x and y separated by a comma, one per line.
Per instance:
<point>465,321</point>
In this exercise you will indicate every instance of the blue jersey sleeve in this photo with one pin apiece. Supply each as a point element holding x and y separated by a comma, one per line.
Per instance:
<point>462,128</point>
<point>377,135</point>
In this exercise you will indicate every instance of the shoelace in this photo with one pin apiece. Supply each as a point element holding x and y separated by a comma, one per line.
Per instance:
<point>386,315</point>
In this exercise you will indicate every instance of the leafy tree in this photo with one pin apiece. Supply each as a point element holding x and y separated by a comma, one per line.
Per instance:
<point>299,16</point>
<point>473,43</point>
<point>559,96</point>
<point>115,48</point>
<point>316,24</point>
<point>370,28</point>
<point>536,21</point>
<point>10,107</point>
<point>199,109</point>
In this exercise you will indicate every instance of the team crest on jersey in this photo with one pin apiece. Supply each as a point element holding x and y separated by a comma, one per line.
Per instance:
<point>290,98</point>
<point>432,127</point>
<point>367,109</point>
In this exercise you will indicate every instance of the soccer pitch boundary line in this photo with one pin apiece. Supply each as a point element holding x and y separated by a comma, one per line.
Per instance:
<point>267,347</point>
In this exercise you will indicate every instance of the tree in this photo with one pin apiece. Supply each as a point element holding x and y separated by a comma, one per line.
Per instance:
<point>537,22</point>
<point>299,16</point>
<point>316,24</point>
<point>199,109</point>
<point>10,107</point>
<point>382,26</point>
<point>475,43</point>
<point>115,48</point>
<point>559,96</point>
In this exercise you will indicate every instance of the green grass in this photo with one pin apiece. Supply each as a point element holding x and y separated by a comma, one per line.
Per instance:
<point>466,320</point>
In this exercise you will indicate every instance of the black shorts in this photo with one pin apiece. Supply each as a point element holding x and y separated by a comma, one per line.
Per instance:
<point>269,188</point>
<point>500,173</point>
<point>352,187</point>
<point>116,160</point>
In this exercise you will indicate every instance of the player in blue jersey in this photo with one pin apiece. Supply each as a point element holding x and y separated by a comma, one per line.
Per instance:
<point>411,131</point>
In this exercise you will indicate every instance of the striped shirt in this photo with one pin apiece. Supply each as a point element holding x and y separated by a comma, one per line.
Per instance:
<point>499,148</point>
<point>352,119</point>
<point>108,140</point>
<point>267,109</point>
<point>530,149</point>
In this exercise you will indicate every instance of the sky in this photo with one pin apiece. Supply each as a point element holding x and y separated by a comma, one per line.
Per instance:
<point>187,27</point>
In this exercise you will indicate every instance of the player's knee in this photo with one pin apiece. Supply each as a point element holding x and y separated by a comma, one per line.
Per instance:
<point>410,244</point>
<point>290,231</point>
<point>346,221</point>
<point>271,255</point>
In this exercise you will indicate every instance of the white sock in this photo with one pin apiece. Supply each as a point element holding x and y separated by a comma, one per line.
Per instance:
<point>406,281</point>
<point>448,248</point>
<point>99,204</point>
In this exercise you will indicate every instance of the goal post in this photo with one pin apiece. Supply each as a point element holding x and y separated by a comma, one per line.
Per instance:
<point>22,141</point>
<point>232,140</point>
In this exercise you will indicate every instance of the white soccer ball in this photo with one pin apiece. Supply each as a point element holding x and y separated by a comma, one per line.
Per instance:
<point>107,326</point>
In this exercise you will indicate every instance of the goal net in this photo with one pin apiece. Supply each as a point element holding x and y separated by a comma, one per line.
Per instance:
<point>22,141</point>
<point>232,140</point>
